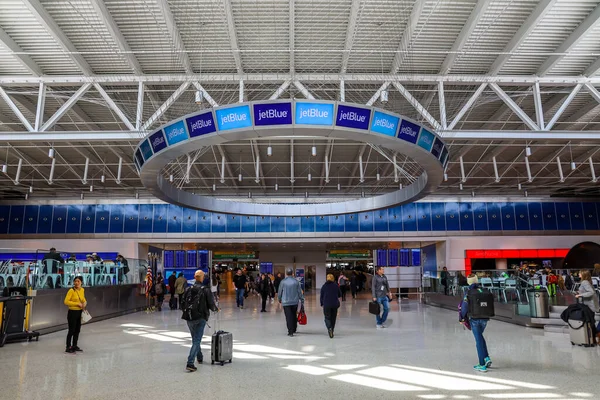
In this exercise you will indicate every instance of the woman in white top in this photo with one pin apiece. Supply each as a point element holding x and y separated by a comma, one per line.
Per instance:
<point>214,283</point>
<point>587,292</point>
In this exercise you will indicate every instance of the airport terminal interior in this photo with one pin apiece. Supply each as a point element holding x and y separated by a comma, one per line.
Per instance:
<point>299,199</point>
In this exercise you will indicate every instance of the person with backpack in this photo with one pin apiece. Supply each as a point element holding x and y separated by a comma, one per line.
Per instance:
<point>343,282</point>
<point>197,303</point>
<point>478,307</point>
<point>180,285</point>
<point>552,282</point>
<point>159,290</point>
<point>264,287</point>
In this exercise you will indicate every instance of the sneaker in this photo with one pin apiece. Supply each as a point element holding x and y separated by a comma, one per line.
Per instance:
<point>200,360</point>
<point>69,350</point>
<point>378,326</point>
<point>242,307</point>
<point>290,334</point>
<point>480,368</point>
<point>76,348</point>
<point>191,368</point>
<point>383,326</point>
<point>330,331</point>
<point>488,362</point>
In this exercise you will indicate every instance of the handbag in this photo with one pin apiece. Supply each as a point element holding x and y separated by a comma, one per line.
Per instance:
<point>85,314</point>
<point>302,320</point>
<point>374,308</point>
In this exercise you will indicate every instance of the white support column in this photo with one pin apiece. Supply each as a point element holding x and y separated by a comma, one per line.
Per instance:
<point>395,162</point>
<point>593,172</point>
<point>342,90</point>
<point>415,103</point>
<point>539,108</point>
<point>188,168</point>
<point>327,168</point>
<point>114,107</point>
<point>442,101</point>
<point>303,90</point>
<point>16,110</point>
<point>86,170</point>
<point>241,96</point>
<point>513,106</point>
<point>119,170</point>
<point>292,178</point>
<point>222,169</point>
<point>257,169</point>
<point>564,106</point>
<point>463,177</point>
<point>41,104</point>
<point>161,110</point>
<point>292,35</point>
<point>467,106</point>
<point>280,90</point>
<point>560,170</point>
<point>20,166</point>
<point>528,169</point>
<point>140,107</point>
<point>360,167</point>
<point>496,175</point>
<point>65,107</point>
<point>51,177</point>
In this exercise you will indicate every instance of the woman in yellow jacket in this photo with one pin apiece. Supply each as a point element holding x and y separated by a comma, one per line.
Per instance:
<point>76,302</point>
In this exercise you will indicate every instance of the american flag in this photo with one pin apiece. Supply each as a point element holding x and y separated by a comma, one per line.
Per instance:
<point>148,281</point>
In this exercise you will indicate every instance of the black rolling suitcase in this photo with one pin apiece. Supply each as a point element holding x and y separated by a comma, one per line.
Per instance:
<point>221,346</point>
<point>173,302</point>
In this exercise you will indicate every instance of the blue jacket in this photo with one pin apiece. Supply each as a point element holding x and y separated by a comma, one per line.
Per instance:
<point>330,295</point>
<point>290,292</point>
<point>464,308</point>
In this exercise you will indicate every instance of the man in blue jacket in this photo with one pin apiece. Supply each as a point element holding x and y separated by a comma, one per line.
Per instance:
<point>477,327</point>
<point>289,294</point>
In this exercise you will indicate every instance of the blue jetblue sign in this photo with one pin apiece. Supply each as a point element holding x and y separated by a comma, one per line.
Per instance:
<point>202,124</point>
<point>139,158</point>
<point>146,149</point>
<point>158,142</point>
<point>176,133</point>
<point>444,156</point>
<point>273,114</point>
<point>234,118</point>
<point>353,117</point>
<point>437,148</point>
<point>314,113</point>
<point>426,139</point>
<point>384,123</point>
<point>408,131</point>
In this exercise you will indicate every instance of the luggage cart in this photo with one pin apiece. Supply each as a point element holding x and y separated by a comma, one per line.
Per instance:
<point>14,311</point>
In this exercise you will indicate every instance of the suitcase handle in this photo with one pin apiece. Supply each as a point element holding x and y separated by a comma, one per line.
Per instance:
<point>575,329</point>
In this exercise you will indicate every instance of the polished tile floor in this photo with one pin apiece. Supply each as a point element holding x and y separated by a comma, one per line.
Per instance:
<point>424,354</point>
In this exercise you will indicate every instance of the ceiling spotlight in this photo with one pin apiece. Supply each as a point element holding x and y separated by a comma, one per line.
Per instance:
<point>473,193</point>
<point>384,96</point>
<point>102,178</point>
<point>309,177</point>
<point>526,193</point>
<point>198,97</point>
<point>269,151</point>
<point>378,176</point>
<point>171,178</point>
<point>137,195</point>
<point>276,187</point>
<point>313,151</point>
<point>30,189</point>
<point>91,188</point>
<point>400,186</point>
<point>240,177</point>
<point>573,166</point>
<point>527,151</point>
<point>306,194</point>
<point>445,177</point>
<point>249,195</point>
<point>362,194</point>
<point>26,196</point>
<point>519,186</point>
<point>4,168</point>
<point>339,187</point>
<point>214,187</point>
<point>51,153</point>
<point>81,196</point>
<point>460,186</point>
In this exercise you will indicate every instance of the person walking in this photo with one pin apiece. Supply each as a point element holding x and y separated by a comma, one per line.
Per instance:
<point>277,282</point>
<point>289,294</point>
<point>586,291</point>
<point>197,304</point>
<point>214,288</point>
<point>75,300</point>
<point>172,301</point>
<point>330,301</point>
<point>353,284</point>
<point>241,282</point>
<point>478,325</point>
<point>180,285</point>
<point>264,288</point>
<point>159,290</point>
<point>380,290</point>
<point>343,284</point>
<point>444,279</point>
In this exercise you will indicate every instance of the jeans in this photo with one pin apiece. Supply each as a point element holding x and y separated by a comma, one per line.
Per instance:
<point>197,331</point>
<point>478,326</point>
<point>239,297</point>
<point>330,314</point>
<point>291,319</point>
<point>344,289</point>
<point>74,320</point>
<point>385,304</point>
<point>264,296</point>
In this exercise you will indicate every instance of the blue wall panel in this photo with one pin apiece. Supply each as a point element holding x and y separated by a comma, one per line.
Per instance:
<point>350,222</point>
<point>188,224</point>
<point>234,223</point>
<point>308,224</point>
<point>576,213</point>
<point>146,214</point>
<point>438,217</point>
<point>590,216</point>
<point>336,223</point>
<point>159,218</point>
<point>4,219</point>
<point>409,217</point>
<point>380,221</point>
<point>175,218</point>
<point>219,223</point>
<point>59,220</point>
<point>292,224</point>
<point>321,224</point>
<point>466,216</point>
<point>31,219</point>
<point>365,221</point>
<point>204,224</point>
<point>452,217</point>
<point>508,217</point>
<point>549,213</point>
<point>480,220</point>
<point>522,216</point>
<point>74,219</point>
<point>117,215</point>
<point>102,218</point>
<point>249,224</point>
<point>423,217</point>
<point>263,224</point>
<point>536,216</point>
<point>17,213</point>
<point>395,219</point>
<point>88,218</point>
<point>132,213</point>
<point>562,216</point>
<point>494,217</point>
<point>277,224</point>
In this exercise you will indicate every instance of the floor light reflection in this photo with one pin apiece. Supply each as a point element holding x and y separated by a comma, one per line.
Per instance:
<point>308,369</point>
<point>377,383</point>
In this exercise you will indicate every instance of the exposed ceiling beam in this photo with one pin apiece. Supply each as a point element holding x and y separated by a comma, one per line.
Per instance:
<point>513,106</point>
<point>165,106</point>
<point>173,32</point>
<point>350,32</point>
<point>44,18</point>
<point>16,110</point>
<point>233,36</point>
<point>480,8</point>
<point>65,107</point>
<point>227,166</point>
<point>574,38</point>
<point>360,153</point>
<point>563,107</point>
<point>326,159</point>
<point>519,37</point>
<point>19,54</point>
<point>415,103</point>
<point>112,105</point>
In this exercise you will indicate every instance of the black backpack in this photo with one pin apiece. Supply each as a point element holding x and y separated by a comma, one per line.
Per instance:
<point>192,298</point>
<point>481,304</point>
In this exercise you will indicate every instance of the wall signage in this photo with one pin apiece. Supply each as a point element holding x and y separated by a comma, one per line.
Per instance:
<point>408,131</point>
<point>146,149</point>
<point>384,123</point>
<point>234,118</point>
<point>176,133</point>
<point>353,117</point>
<point>273,114</point>
<point>437,148</point>
<point>426,139</point>
<point>314,113</point>
<point>202,124</point>
<point>158,142</point>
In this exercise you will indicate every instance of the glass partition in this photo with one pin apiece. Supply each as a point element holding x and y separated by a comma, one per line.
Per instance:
<point>45,269</point>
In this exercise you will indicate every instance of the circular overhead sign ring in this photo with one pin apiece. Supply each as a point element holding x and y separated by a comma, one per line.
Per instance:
<point>291,118</point>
